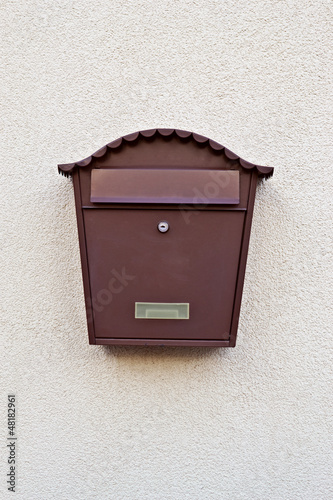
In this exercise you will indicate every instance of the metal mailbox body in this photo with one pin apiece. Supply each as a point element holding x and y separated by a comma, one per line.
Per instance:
<point>164,219</point>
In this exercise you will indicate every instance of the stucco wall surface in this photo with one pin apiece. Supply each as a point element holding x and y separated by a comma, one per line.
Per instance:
<point>250,423</point>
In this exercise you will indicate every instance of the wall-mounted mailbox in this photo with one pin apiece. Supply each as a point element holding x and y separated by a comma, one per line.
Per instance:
<point>164,219</point>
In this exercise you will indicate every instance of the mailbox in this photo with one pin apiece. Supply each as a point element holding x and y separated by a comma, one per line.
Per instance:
<point>164,219</point>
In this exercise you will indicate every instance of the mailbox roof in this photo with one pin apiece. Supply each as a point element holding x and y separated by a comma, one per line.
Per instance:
<point>68,168</point>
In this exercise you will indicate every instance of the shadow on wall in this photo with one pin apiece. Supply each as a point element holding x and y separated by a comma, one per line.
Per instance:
<point>161,352</point>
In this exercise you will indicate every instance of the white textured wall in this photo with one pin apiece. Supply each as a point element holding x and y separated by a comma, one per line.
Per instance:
<point>254,422</point>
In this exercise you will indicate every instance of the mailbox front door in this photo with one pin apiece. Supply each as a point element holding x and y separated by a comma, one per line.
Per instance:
<point>194,263</point>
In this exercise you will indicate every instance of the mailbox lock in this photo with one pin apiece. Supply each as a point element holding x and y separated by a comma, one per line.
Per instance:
<point>163,226</point>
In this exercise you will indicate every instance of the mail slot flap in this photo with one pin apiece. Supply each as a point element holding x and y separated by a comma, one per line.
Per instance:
<point>165,186</point>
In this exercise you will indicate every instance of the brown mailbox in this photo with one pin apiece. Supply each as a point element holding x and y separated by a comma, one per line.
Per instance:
<point>164,219</point>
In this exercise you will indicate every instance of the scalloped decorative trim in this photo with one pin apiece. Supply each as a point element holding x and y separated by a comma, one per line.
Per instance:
<point>67,169</point>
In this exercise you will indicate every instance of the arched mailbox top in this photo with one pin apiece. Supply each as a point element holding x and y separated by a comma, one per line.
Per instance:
<point>167,135</point>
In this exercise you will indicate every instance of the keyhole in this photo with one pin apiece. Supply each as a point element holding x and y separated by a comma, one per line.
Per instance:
<point>163,226</point>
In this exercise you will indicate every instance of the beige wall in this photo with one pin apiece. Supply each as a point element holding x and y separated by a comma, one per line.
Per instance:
<point>252,422</point>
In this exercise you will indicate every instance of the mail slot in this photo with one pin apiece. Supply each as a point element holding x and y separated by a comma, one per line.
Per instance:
<point>163,186</point>
<point>164,219</point>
